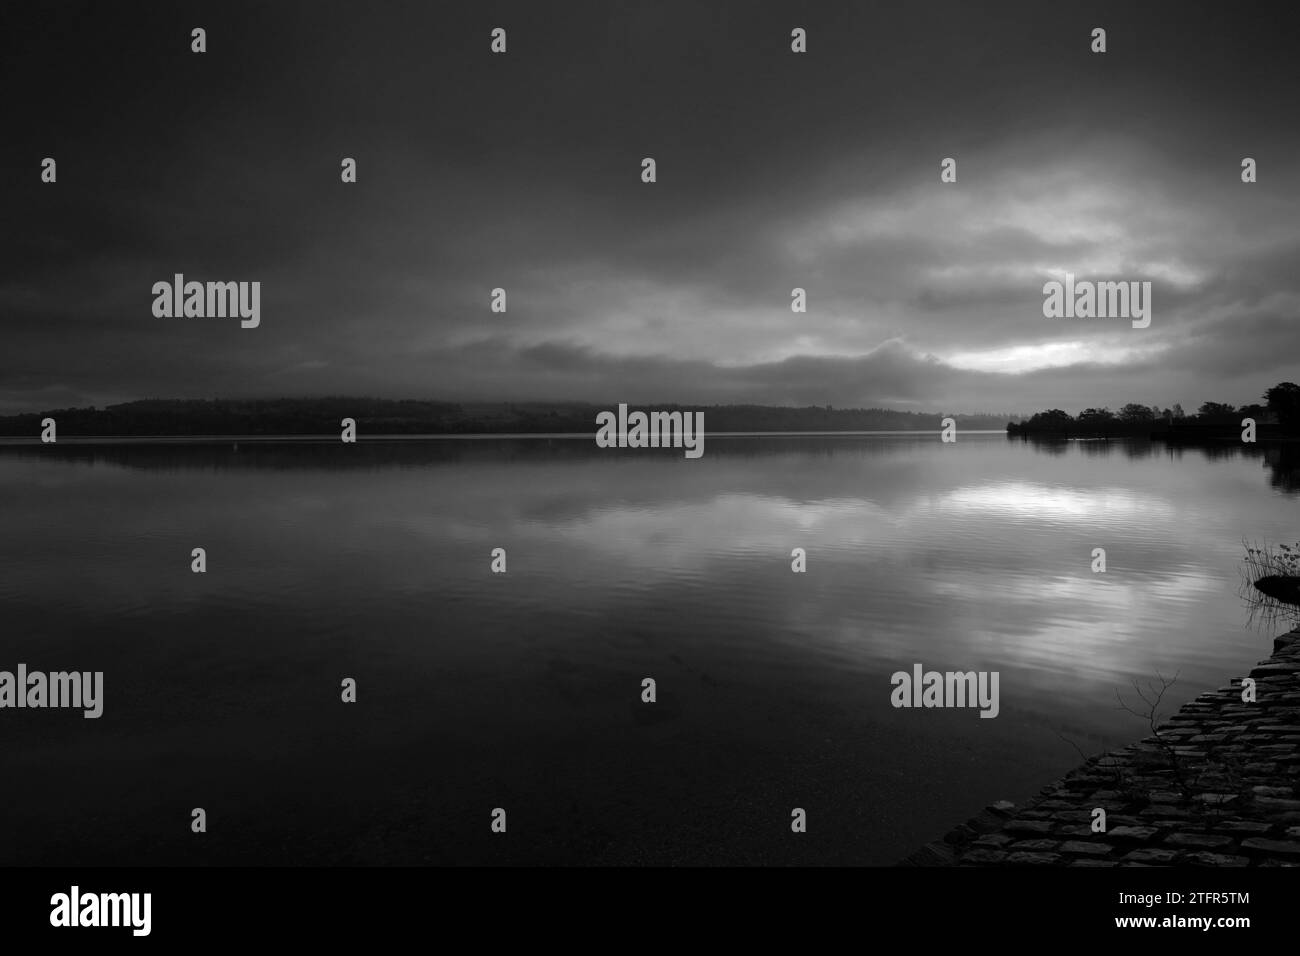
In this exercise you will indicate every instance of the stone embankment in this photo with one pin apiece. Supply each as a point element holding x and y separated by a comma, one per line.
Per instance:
<point>1218,785</point>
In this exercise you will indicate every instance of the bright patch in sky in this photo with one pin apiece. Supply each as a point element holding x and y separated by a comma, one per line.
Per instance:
<point>1028,358</point>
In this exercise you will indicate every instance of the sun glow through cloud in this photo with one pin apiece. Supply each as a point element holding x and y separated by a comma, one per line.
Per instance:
<point>1029,358</point>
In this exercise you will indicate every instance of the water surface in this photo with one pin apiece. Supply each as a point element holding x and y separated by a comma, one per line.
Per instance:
<point>522,690</point>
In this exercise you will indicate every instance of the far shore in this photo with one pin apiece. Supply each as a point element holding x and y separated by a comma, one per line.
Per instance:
<point>440,436</point>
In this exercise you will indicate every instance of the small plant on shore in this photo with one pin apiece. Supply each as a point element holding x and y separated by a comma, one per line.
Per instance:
<point>1152,696</point>
<point>1278,568</point>
<point>1268,561</point>
<point>1210,780</point>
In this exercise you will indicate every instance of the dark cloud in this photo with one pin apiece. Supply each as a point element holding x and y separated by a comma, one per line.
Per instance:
<point>775,171</point>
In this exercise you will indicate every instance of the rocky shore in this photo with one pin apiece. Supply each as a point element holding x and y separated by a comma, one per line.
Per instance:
<point>1219,785</point>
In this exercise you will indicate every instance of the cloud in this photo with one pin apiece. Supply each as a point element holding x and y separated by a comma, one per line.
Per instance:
<point>776,172</point>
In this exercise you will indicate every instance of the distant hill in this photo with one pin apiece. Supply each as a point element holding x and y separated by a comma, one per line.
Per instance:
<point>377,416</point>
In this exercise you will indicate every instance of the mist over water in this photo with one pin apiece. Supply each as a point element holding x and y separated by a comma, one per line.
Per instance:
<point>522,690</point>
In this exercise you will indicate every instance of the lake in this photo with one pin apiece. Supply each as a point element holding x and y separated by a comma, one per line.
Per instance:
<point>522,690</point>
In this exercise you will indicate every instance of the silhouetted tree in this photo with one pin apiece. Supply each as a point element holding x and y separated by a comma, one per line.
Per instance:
<point>1215,409</point>
<point>1096,417</point>
<point>1053,419</point>
<point>1284,401</point>
<point>1135,412</point>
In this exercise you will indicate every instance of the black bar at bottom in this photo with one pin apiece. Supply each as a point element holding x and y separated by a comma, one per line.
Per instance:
<point>339,906</point>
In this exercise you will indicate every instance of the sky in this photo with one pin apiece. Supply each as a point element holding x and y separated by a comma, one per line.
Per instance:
<point>775,170</point>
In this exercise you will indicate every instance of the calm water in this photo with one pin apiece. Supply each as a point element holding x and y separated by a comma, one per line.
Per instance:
<point>522,690</point>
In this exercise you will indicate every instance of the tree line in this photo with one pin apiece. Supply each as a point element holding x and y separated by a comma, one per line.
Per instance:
<point>1280,407</point>
<point>376,416</point>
